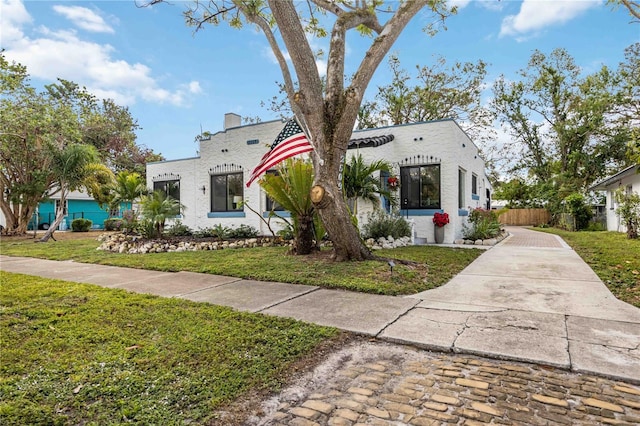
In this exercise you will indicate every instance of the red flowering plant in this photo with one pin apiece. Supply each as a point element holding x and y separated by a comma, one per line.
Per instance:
<point>440,219</point>
<point>393,182</point>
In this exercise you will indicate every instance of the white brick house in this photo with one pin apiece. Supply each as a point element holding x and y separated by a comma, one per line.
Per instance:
<point>438,166</point>
<point>629,179</point>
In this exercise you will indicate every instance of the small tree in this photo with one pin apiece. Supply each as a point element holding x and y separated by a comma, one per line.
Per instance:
<point>157,207</point>
<point>70,167</point>
<point>629,211</point>
<point>291,188</point>
<point>128,187</point>
<point>360,181</point>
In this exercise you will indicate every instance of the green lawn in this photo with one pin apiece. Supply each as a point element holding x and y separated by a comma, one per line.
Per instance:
<point>612,256</point>
<point>431,266</point>
<point>81,354</point>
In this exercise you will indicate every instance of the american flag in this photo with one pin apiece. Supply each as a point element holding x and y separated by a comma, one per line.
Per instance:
<point>291,141</point>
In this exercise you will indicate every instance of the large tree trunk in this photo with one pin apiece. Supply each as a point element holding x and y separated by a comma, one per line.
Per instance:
<point>335,218</point>
<point>332,208</point>
<point>17,217</point>
<point>329,111</point>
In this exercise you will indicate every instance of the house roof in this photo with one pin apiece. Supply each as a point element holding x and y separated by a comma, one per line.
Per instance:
<point>371,141</point>
<point>603,184</point>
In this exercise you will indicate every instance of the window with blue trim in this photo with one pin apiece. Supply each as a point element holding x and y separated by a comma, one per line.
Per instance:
<point>462,176</point>
<point>227,192</point>
<point>474,184</point>
<point>271,204</point>
<point>420,187</point>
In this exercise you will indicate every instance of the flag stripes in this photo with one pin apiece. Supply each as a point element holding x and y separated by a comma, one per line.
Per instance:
<point>290,141</point>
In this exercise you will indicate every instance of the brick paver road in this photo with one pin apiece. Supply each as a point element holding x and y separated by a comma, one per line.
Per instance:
<point>381,384</point>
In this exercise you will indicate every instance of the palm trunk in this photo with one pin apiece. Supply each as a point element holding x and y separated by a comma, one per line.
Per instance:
<point>59,218</point>
<point>303,241</point>
<point>54,226</point>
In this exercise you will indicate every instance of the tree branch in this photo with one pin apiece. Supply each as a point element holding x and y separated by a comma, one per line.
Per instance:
<point>335,64</point>
<point>264,26</point>
<point>293,34</point>
<point>379,48</point>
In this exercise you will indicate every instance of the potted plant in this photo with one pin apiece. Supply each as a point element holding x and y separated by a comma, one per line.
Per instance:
<point>439,221</point>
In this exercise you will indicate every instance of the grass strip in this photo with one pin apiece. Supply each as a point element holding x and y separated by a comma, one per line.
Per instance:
<point>433,267</point>
<point>81,354</point>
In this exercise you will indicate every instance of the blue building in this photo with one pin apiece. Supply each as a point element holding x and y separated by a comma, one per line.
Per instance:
<point>78,205</point>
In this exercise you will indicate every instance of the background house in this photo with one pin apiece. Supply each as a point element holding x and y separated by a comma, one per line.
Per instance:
<point>438,166</point>
<point>629,179</point>
<point>79,205</point>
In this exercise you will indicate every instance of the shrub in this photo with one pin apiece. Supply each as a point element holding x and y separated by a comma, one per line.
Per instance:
<point>576,205</point>
<point>217,231</point>
<point>484,225</point>
<point>380,224</point>
<point>286,233</point>
<point>113,224</point>
<point>629,211</point>
<point>203,233</point>
<point>243,231</point>
<point>596,227</point>
<point>146,228</point>
<point>129,221</point>
<point>81,225</point>
<point>179,229</point>
<point>220,231</point>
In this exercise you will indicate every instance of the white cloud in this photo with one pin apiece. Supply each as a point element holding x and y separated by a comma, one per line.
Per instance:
<point>194,87</point>
<point>535,15</point>
<point>491,4</point>
<point>460,4</point>
<point>13,17</point>
<point>49,54</point>
<point>84,18</point>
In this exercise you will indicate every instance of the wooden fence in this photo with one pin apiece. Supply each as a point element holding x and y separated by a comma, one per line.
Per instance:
<point>525,217</point>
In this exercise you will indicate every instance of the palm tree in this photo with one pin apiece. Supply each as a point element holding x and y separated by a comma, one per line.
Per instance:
<point>99,184</point>
<point>128,187</point>
<point>71,167</point>
<point>291,188</point>
<point>361,181</point>
<point>158,207</point>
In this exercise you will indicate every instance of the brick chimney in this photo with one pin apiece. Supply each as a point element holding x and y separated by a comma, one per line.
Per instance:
<point>232,120</point>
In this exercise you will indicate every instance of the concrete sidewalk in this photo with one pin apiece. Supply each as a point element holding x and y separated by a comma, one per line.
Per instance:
<point>530,298</point>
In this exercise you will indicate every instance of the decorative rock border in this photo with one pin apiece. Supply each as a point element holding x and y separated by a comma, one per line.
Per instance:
<point>132,244</point>
<point>387,243</point>
<point>488,242</point>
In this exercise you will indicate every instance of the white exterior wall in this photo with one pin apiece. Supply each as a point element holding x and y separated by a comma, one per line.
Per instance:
<point>223,148</point>
<point>443,140</point>
<point>614,223</point>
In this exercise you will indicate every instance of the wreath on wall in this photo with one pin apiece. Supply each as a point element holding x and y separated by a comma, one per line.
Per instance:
<point>393,182</point>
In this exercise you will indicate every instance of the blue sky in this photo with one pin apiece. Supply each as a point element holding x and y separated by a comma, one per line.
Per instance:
<point>176,82</point>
